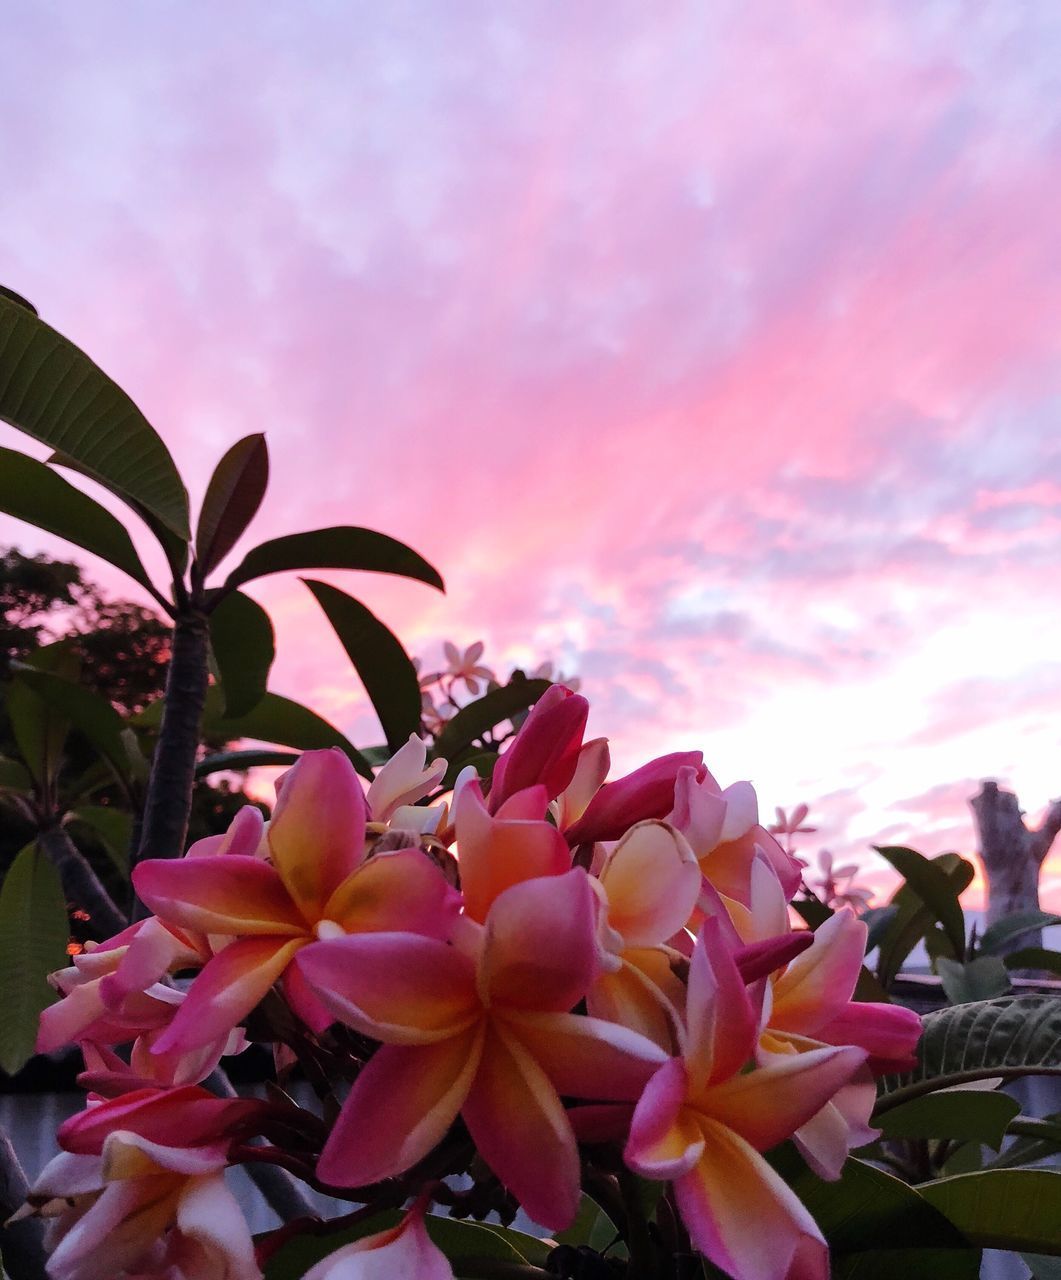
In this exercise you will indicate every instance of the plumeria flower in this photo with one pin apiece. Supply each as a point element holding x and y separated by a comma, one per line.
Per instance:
<point>648,792</point>
<point>484,1030</point>
<point>317,884</point>
<point>790,824</point>
<point>649,883</point>
<point>465,666</point>
<point>834,884</point>
<point>404,779</point>
<point>545,670</point>
<point>704,1120</point>
<point>545,750</point>
<point>404,1251</point>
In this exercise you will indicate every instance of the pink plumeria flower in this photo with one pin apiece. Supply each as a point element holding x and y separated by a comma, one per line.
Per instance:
<point>545,670</point>
<point>141,1209</point>
<point>545,750</point>
<point>465,666</point>
<point>648,792</point>
<point>790,824</point>
<point>485,1031</point>
<point>704,1120</point>
<point>404,779</point>
<point>318,884</point>
<point>649,885</point>
<point>404,1252</point>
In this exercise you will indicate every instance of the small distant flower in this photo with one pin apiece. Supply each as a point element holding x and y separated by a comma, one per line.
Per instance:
<point>834,884</point>
<point>465,666</point>
<point>790,824</point>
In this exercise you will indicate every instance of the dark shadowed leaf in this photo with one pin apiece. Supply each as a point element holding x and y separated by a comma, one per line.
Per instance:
<point>14,776</point>
<point>877,920</point>
<point>1007,1038</point>
<point>5,292</point>
<point>981,979</point>
<point>112,827</point>
<point>1003,1208</point>
<point>274,719</point>
<point>39,727</point>
<point>232,499</point>
<point>812,911</point>
<point>243,643</point>
<point>380,660</point>
<point>933,886</point>
<point>1005,931</point>
<point>53,391</point>
<point>966,1115</point>
<point>85,711</point>
<point>480,716</point>
<point>1034,958</point>
<point>33,936</point>
<point>239,761</point>
<point>340,547</point>
<point>31,491</point>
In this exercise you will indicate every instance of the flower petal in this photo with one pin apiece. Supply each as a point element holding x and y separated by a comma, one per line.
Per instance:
<point>399,1108</point>
<point>587,1057</point>
<point>594,761</point>
<point>403,1251</point>
<point>317,833</point>
<point>643,995</point>
<point>226,990</point>
<point>767,1105</point>
<point>521,1130</point>
<point>743,1217</point>
<point>399,890</point>
<point>885,1031</point>
<point>184,1117</point>
<point>404,779</point>
<point>495,853</point>
<point>699,810</point>
<point>652,880</point>
<point>545,750</point>
<point>209,1214</point>
<point>648,792</point>
<point>400,988</point>
<point>816,987</point>
<point>234,894</point>
<point>665,1140</point>
<point>540,948</point>
<point>720,1016</point>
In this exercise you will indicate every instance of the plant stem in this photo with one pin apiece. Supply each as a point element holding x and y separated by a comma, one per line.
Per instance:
<point>169,792</point>
<point>80,883</point>
<point>638,1241</point>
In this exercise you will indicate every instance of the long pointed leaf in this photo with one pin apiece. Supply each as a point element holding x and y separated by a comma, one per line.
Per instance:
<point>33,936</point>
<point>232,499</point>
<point>480,716</point>
<point>40,728</point>
<point>86,711</point>
<point>241,636</point>
<point>238,761</point>
<point>1003,1208</point>
<point>388,675</point>
<point>913,920</point>
<point>31,491</point>
<point>933,887</point>
<point>112,827</point>
<point>340,547</point>
<point>1006,930</point>
<point>51,390</point>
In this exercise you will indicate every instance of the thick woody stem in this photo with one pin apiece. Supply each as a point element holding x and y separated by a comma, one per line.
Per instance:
<point>169,793</point>
<point>81,885</point>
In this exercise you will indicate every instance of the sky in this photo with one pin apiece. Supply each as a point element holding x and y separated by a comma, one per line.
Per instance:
<point>708,349</point>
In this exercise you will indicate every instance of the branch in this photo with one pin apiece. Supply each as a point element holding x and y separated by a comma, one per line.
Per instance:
<point>1046,833</point>
<point>21,1242</point>
<point>81,885</point>
<point>281,1192</point>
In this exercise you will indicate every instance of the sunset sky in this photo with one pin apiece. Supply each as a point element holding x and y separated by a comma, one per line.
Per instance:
<point>710,350</point>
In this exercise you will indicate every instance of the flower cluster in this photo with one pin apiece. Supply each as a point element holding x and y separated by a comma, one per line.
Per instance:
<point>545,979</point>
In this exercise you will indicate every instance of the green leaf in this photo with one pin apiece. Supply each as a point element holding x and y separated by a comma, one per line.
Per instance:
<point>38,727</point>
<point>966,1115</point>
<point>877,1264</point>
<point>1003,1208</point>
<point>484,763</point>
<point>33,935</point>
<point>1034,958</point>
<point>933,886</point>
<point>914,919</point>
<point>31,491</point>
<point>480,716</point>
<point>877,920</point>
<point>112,827</point>
<point>53,391</point>
<point>867,1209</point>
<point>1008,1037</point>
<point>90,714</point>
<point>5,292</point>
<point>243,643</point>
<point>340,547</point>
<point>1005,931</point>
<point>239,761</point>
<point>980,979</point>
<point>812,911</point>
<point>380,660</point>
<point>14,776</point>
<point>232,499</point>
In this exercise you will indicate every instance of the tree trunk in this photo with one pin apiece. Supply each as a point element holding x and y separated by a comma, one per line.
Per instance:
<point>1012,856</point>
<point>169,792</point>
<point>81,885</point>
<point>21,1242</point>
